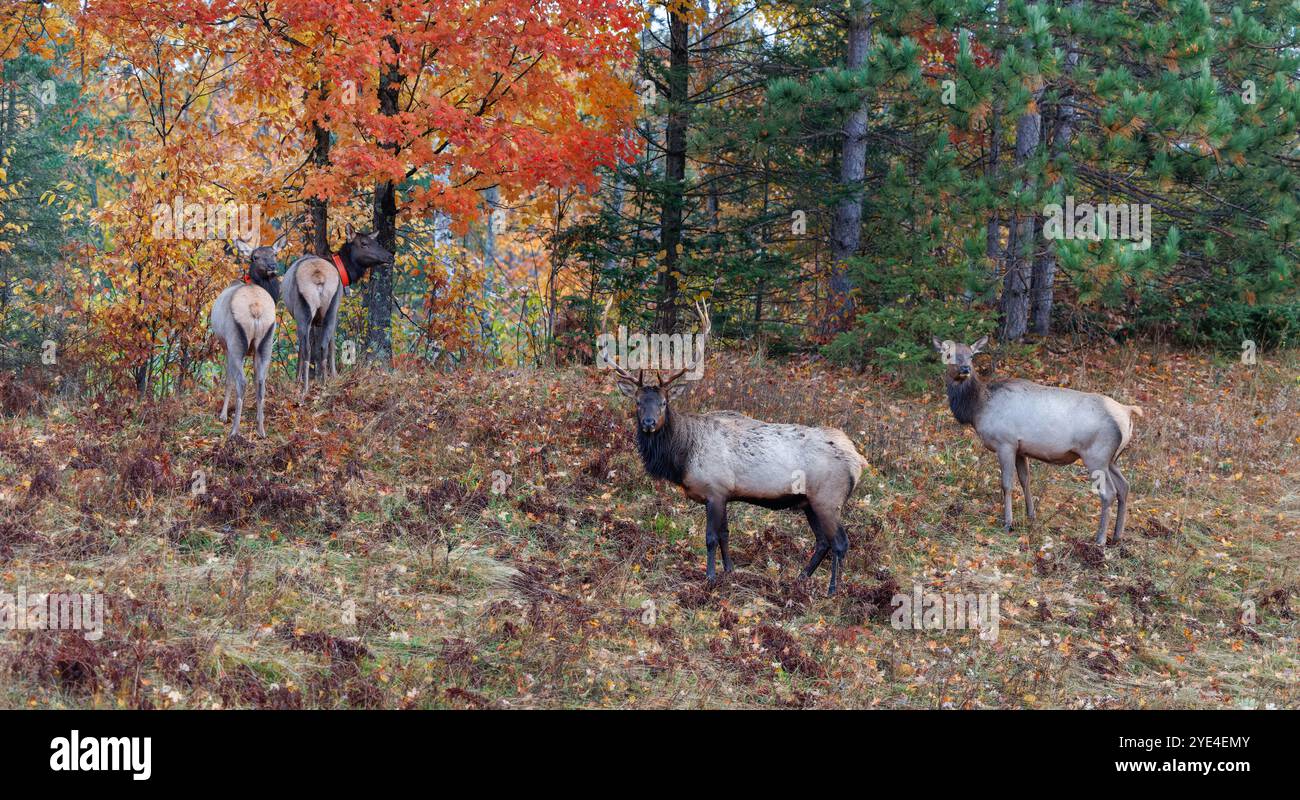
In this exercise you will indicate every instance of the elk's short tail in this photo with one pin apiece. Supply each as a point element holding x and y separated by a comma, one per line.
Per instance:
<point>257,325</point>
<point>1136,410</point>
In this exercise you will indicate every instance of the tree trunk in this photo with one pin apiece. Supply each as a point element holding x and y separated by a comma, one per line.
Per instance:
<point>670,214</point>
<point>6,135</point>
<point>491,197</point>
<point>1044,274</point>
<point>319,206</point>
<point>1045,266</point>
<point>1015,286</point>
<point>993,240</point>
<point>379,286</point>
<point>1020,247</point>
<point>846,225</point>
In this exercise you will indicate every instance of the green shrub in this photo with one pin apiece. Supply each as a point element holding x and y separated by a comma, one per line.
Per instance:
<point>1220,323</point>
<point>897,339</point>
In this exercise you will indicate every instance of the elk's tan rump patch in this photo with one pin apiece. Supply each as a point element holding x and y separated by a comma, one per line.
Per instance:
<point>1123,416</point>
<point>253,310</point>
<point>317,281</point>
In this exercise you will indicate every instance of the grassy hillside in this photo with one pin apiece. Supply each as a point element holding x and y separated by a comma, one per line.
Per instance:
<point>359,557</point>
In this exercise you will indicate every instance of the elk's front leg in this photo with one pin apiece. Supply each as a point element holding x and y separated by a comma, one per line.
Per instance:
<point>1007,461</point>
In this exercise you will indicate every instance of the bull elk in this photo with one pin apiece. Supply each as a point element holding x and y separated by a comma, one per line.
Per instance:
<point>723,456</point>
<point>243,318</point>
<point>312,291</point>
<point>1020,420</point>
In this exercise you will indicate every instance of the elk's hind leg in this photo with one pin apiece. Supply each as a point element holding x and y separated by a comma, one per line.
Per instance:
<point>839,549</point>
<point>1121,507</point>
<point>718,521</point>
<point>822,547</point>
<point>225,407</point>
<point>235,369</point>
<point>304,356</point>
<point>303,345</point>
<point>260,363</point>
<point>831,538</point>
<point>1104,485</point>
<point>715,534</point>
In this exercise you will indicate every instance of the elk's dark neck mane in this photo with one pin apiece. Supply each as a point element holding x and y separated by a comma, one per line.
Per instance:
<point>665,451</point>
<point>965,397</point>
<point>271,286</point>
<point>355,271</point>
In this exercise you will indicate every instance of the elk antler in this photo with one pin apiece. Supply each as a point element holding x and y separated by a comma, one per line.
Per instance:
<point>678,374</point>
<point>601,355</point>
<point>706,325</point>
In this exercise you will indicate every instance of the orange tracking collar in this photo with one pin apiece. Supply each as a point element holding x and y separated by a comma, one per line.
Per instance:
<point>343,273</point>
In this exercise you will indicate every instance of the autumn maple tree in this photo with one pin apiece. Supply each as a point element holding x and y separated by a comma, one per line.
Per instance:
<point>426,104</point>
<point>392,113</point>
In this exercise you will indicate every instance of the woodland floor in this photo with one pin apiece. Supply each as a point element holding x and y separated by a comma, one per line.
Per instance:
<point>358,557</point>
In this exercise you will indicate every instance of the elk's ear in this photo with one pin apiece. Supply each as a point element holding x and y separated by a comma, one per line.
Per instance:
<point>677,389</point>
<point>980,345</point>
<point>280,242</point>
<point>350,232</point>
<point>627,388</point>
<point>938,345</point>
<point>243,248</point>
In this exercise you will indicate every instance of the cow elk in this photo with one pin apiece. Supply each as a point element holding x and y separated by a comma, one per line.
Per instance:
<point>1020,420</point>
<point>724,455</point>
<point>243,318</point>
<point>313,288</point>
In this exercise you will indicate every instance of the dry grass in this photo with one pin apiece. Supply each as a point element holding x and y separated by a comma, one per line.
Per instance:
<point>359,557</point>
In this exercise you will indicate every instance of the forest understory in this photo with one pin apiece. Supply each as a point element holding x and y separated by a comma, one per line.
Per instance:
<point>488,538</point>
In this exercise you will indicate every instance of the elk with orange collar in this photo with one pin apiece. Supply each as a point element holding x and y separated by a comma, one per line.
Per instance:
<point>313,287</point>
